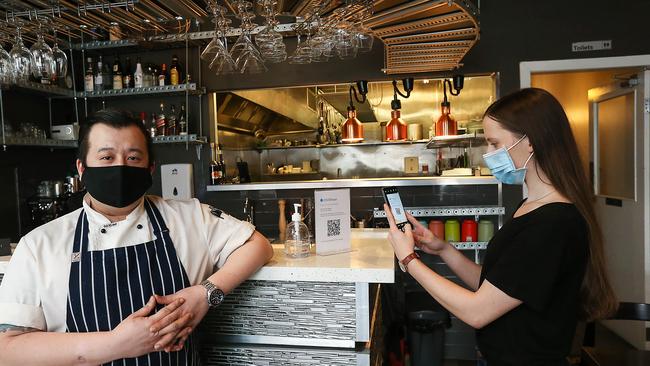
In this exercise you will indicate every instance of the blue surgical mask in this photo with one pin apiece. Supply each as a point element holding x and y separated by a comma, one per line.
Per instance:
<point>502,166</point>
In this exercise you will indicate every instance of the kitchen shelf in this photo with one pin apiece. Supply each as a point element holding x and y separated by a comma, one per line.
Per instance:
<point>466,245</point>
<point>448,211</point>
<point>50,90</point>
<point>178,139</point>
<point>149,90</point>
<point>23,141</point>
<point>466,140</point>
<point>324,146</point>
<point>353,183</point>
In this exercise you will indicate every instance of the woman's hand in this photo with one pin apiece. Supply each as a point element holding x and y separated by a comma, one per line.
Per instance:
<point>402,242</point>
<point>135,337</point>
<point>196,304</point>
<point>425,239</point>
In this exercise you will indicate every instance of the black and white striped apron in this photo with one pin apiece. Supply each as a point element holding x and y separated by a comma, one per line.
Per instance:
<point>106,286</point>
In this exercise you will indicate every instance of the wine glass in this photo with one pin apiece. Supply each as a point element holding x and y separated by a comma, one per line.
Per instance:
<point>22,58</point>
<point>44,66</point>
<point>60,61</point>
<point>7,68</point>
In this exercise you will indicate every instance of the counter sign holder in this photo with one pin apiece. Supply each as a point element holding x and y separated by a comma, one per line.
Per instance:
<point>332,213</point>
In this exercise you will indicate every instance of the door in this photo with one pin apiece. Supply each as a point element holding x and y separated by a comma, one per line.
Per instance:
<point>618,119</point>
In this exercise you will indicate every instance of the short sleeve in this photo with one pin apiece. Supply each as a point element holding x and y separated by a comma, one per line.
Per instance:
<point>20,302</point>
<point>224,233</point>
<point>529,268</point>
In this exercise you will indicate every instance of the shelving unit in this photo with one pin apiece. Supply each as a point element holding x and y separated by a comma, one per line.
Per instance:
<point>178,139</point>
<point>324,146</point>
<point>21,141</point>
<point>191,88</point>
<point>466,140</point>
<point>44,89</point>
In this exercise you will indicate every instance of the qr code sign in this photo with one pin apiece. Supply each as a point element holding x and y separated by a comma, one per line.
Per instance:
<point>333,227</point>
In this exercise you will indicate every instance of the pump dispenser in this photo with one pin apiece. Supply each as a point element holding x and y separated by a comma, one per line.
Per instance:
<point>298,241</point>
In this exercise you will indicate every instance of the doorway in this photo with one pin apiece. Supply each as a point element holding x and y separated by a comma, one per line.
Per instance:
<point>626,236</point>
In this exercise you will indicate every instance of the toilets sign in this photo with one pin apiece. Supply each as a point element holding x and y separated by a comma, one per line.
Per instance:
<point>591,46</point>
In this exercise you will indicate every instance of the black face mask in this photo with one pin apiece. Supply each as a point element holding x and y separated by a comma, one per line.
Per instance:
<point>117,185</point>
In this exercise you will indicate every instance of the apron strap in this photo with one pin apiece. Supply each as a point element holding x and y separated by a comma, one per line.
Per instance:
<point>157,221</point>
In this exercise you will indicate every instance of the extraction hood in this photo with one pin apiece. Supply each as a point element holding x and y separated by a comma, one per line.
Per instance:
<point>259,113</point>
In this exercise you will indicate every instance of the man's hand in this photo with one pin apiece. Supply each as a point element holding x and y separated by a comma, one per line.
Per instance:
<point>195,304</point>
<point>136,335</point>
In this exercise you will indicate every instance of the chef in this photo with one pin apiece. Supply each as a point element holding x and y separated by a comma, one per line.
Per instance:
<point>125,279</point>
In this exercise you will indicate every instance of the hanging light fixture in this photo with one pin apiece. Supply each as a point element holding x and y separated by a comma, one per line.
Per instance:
<point>352,129</point>
<point>396,128</point>
<point>446,124</point>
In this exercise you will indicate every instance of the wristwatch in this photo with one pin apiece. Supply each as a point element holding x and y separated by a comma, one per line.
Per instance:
<point>214,295</point>
<point>405,262</point>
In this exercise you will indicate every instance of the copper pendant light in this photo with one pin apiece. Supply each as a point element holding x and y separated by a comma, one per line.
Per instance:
<point>396,128</point>
<point>352,129</point>
<point>446,124</point>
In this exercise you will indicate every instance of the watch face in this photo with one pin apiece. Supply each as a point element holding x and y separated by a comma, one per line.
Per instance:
<point>216,297</point>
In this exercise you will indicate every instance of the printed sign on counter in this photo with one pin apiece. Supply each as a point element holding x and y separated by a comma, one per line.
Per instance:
<point>332,212</point>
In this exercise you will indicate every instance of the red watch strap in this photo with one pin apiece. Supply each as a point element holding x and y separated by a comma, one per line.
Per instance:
<point>409,258</point>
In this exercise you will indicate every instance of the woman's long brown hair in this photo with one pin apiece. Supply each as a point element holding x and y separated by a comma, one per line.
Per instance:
<point>538,115</point>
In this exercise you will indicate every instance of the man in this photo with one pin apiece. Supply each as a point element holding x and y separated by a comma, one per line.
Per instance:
<point>83,289</point>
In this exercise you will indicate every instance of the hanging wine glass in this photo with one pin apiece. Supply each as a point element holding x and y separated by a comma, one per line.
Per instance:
<point>44,66</point>
<point>7,69</point>
<point>22,58</point>
<point>60,61</point>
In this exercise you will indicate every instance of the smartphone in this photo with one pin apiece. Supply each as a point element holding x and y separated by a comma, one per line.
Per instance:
<point>391,196</point>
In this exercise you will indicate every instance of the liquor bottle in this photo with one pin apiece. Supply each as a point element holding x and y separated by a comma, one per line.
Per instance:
<point>107,76</point>
<point>162,76</point>
<point>171,122</point>
<point>147,80</point>
<point>215,169</point>
<point>182,122</point>
<point>143,119</point>
<point>174,71</point>
<point>138,75</point>
<point>99,78</point>
<point>161,121</point>
<point>127,78</point>
<point>117,74</point>
<point>89,82</point>
<point>222,164</point>
<point>152,126</point>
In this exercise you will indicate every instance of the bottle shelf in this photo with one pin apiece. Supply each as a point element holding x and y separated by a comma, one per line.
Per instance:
<point>466,245</point>
<point>466,140</point>
<point>24,141</point>
<point>448,211</point>
<point>178,139</point>
<point>192,88</point>
<point>49,90</point>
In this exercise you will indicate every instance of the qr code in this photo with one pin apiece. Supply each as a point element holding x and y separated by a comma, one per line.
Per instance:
<point>334,227</point>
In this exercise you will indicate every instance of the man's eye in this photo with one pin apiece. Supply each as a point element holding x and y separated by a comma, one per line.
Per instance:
<point>105,158</point>
<point>134,158</point>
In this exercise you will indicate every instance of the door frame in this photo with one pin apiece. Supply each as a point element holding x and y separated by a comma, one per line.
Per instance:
<point>527,68</point>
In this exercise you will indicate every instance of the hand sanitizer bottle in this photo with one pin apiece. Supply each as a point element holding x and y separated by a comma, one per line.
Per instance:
<point>297,242</point>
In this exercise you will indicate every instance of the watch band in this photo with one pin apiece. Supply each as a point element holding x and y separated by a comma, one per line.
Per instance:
<point>214,295</point>
<point>405,262</point>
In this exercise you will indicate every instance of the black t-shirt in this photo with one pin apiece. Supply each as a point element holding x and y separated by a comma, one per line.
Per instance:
<point>539,258</point>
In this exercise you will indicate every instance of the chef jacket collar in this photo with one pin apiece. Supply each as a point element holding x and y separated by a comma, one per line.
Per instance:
<point>104,234</point>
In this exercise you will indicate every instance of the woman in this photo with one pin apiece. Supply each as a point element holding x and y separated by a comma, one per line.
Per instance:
<point>544,269</point>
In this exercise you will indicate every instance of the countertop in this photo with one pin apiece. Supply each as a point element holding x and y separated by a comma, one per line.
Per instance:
<point>370,260</point>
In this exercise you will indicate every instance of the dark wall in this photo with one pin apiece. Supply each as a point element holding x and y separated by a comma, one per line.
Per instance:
<point>511,31</point>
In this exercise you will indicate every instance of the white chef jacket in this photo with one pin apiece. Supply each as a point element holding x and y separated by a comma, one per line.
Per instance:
<point>34,290</point>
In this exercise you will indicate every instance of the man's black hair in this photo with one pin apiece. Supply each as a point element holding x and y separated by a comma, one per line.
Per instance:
<point>113,118</point>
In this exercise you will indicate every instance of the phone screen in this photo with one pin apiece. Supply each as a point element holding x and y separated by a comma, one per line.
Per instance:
<point>395,203</point>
